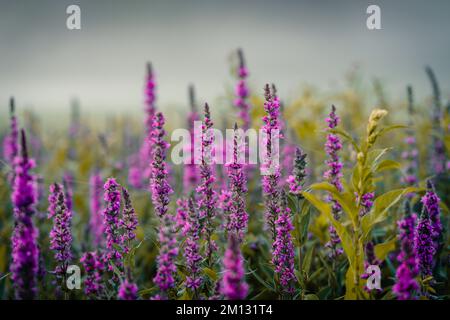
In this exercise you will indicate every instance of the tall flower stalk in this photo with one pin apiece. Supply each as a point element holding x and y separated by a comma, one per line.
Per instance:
<point>207,195</point>
<point>10,143</point>
<point>238,185</point>
<point>159,184</point>
<point>333,175</point>
<point>111,216</point>
<point>297,179</point>
<point>128,222</point>
<point>25,252</point>
<point>283,256</point>
<point>271,178</point>
<point>161,190</point>
<point>424,244</point>
<point>431,203</point>
<point>242,92</point>
<point>233,284</point>
<point>190,174</point>
<point>406,286</point>
<point>192,250</point>
<point>438,157</point>
<point>168,252</point>
<point>95,204</point>
<point>61,233</point>
<point>410,155</point>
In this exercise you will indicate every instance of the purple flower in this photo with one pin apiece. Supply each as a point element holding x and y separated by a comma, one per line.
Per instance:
<point>190,177</point>
<point>238,186</point>
<point>333,175</point>
<point>96,221</point>
<point>111,215</point>
<point>242,92</point>
<point>283,248</point>
<point>168,251</point>
<point>150,98</point>
<point>431,202</point>
<point>192,249</point>
<point>129,221</point>
<point>207,196</point>
<point>159,185</point>
<point>233,285</point>
<point>25,252</point>
<point>406,284</point>
<point>182,216</point>
<point>128,291</point>
<point>61,234</point>
<point>271,181</point>
<point>410,155</point>
<point>297,179</point>
<point>94,268</point>
<point>424,244</point>
<point>10,143</point>
<point>366,203</point>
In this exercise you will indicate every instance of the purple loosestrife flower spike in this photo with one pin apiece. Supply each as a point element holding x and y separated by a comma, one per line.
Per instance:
<point>238,186</point>
<point>207,195</point>
<point>283,248</point>
<point>431,202</point>
<point>150,98</point>
<point>10,143</point>
<point>94,268</point>
<point>297,179</point>
<point>333,175</point>
<point>406,285</point>
<point>25,252</point>
<point>168,251</point>
<point>61,233</point>
<point>96,221</point>
<point>410,155</point>
<point>190,174</point>
<point>242,92</point>
<point>160,187</point>
<point>438,157</point>
<point>128,291</point>
<point>233,284</point>
<point>129,221</point>
<point>271,181</point>
<point>111,215</point>
<point>192,249</point>
<point>424,244</point>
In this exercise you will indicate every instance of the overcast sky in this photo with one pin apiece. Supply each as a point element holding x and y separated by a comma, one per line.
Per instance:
<point>286,42</point>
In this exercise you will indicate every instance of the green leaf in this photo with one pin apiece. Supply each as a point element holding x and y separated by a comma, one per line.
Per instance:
<point>260,280</point>
<point>210,273</point>
<point>381,207</point>
<point>383,249</point>
<point>308,260</point>
<point>388,165</point>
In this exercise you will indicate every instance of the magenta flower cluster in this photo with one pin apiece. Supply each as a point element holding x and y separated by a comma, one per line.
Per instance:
<point>61,234</point>
<point>406,285</point>
<point>25,252</point>
<point>159,184</point>
<point>233,285</point>
<point>283,248</point>
<point>111,215</point>
<point>95,203</point>
<point>238,185</point>
<point>242,92</point>
<point>94,268</point>
<point>297,179</point>
<point>271,182</point>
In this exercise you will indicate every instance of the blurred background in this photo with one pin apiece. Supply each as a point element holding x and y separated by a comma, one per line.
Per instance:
<point>291,43</point>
